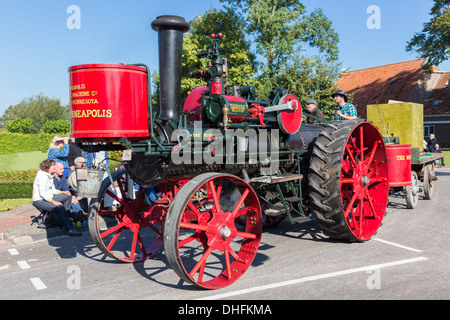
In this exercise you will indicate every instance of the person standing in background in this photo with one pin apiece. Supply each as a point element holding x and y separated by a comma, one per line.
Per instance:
<point>58,151</point>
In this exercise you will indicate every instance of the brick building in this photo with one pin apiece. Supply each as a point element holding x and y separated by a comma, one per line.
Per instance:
<point>405,82</point>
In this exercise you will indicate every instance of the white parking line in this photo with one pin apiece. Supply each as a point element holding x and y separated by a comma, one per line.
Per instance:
<point>13,252</point>
<point>38,284</point>
<point>397,245</point>
<point>312,278</point>
<point>23,264</point>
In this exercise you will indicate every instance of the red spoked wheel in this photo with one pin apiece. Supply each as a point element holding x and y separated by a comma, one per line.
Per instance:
<point>349,180</point>
<point>123,226</point>
<point>204,244</point>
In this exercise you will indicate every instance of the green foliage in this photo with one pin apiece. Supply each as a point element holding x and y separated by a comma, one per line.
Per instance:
<point>18,176</point>
<point>434,40</point>
<point>307,77</point>
<point>16,190</point>
<point>280,28</point>
<point>56,127</point>
<point>17,142</point>
<point>17,184</point>
<point>39,108</point>
<point>241,62</point>
<point>19,125</point>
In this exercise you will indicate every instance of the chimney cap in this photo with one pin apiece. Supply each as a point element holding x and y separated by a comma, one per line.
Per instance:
<point>170,22</point>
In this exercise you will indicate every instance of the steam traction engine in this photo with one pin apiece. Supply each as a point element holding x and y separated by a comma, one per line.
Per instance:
<point>208,179</point>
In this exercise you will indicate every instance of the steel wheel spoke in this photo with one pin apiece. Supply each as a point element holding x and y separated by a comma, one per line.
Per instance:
<point>227,264</point>
<point>113,240</point>
<point>240,202</point>
<point>114,196</point>
<point>133,244</point>
<point>350,205</point>
<point>214,195</point>
<point>121,188</point>
<point>187,225</point>
<point>194,209</point>
<point>246,235</point>
<point>111,230</point>
<point>107,213</point>
<point>187,240</point>
<point>201,262</point>
<point>361,140</point>
<point>350,154</point>
<point>369,199</point>
<point>372,154</point>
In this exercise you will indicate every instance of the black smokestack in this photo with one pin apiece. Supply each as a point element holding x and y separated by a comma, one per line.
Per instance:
<point>170,40</point>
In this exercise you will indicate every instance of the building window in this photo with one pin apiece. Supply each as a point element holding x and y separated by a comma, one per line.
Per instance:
<point>427,130</point>
<point>447,84</point>
<point>436,103</point>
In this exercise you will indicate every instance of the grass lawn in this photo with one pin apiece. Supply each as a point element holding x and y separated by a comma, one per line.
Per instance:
<point>9,204</point>
<point>21,161</point>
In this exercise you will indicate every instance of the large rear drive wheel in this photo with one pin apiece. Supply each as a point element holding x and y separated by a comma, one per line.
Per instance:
<point>204,244</point>
<point>349,180</point>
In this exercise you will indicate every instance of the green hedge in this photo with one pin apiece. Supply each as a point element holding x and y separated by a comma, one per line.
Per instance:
<point>16,190</point>
<point>18,142</point>
<point>17,184</point>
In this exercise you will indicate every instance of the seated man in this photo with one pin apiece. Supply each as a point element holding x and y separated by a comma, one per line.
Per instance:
<point>311,106</point>
<point>47,198</point>
<point>60,182</point>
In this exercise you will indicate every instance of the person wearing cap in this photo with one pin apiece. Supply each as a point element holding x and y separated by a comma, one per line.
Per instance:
<point>79,162</point>
<point>345,110</point>
<point>311,106</point>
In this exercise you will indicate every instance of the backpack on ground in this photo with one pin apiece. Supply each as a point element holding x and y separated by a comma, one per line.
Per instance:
<point>46,220</point>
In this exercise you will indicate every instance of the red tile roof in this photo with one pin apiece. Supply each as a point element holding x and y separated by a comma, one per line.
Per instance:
<point>441,92</point>
<point>390,82</point>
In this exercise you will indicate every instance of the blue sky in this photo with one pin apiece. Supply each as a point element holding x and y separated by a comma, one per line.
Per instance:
<point>37,47</point>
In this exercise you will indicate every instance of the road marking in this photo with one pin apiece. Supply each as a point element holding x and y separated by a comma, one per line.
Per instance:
<point>13,252</point>
<point>38,284</point>
<point>23,264</point>
<point>397,245</point>
<point>313,278</point>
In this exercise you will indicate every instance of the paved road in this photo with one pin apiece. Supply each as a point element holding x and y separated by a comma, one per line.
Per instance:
<point>409,258</point>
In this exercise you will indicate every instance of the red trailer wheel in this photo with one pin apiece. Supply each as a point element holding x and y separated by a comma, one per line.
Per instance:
<point>204,244</point>
<point>129,231</point>
<point>349,180</point>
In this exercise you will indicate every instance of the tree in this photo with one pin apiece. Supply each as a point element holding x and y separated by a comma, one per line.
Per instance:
<point>241,62</point>
<point>282,30</point>
<point>310,77</point>
<point>434,40</point>
<point>19,125</point>
<point>281,27</point>
<point>39,108</point>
